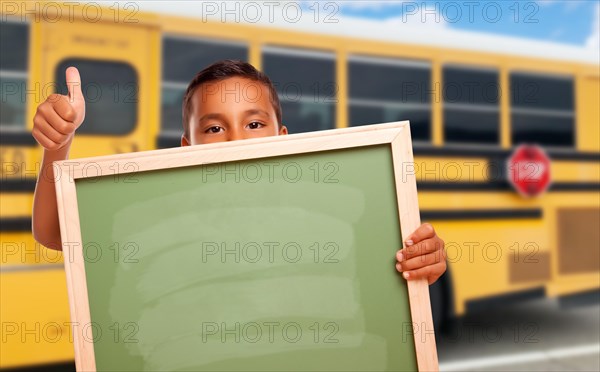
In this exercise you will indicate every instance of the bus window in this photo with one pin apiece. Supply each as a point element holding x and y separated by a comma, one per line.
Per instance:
<point>171,116</point>
<point>543,109</point>
<point>182,58</point>
<point>111,94</point>
<point>14,41</point>
<point>383,90</point>
<point>471,105</point>
<point>306,85</point>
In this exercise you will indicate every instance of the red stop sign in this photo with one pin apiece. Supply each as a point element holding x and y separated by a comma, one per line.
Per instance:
<point>529,170</point>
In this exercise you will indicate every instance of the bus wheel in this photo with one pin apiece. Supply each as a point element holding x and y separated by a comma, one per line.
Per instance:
<point>440,294</point>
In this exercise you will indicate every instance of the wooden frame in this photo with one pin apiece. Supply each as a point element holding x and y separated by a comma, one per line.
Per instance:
<point>396,134</point>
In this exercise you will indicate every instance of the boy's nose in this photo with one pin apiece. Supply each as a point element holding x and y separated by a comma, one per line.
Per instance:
<point>235,135</point>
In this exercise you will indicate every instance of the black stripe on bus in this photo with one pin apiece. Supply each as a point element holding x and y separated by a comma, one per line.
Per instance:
<point>484,214</point>
<point>50,367</point>
<point>15,224</point>
<point>463,186</point>
<point>17,139</point>
<point>575,186</point>
<point>17,185</point>
<point>27,185</point>
<point>502,186</point>
<point>573,156</point>
<point>449,151</point>
<point>496,301</point>
<point>165,141</point>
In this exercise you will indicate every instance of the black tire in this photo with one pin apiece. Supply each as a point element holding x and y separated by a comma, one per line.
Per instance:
<point>442,302</point>
<point>437,298</point>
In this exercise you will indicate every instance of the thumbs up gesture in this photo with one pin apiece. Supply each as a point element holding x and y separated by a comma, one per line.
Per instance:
<point>57,118</point>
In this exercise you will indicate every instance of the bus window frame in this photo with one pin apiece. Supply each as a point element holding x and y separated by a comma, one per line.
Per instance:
<point>170,84</point>
<point>545,112</point>
<point>136,123</point>
<point>472,107</point>
<point>395,62</point>
<point>304,52</point>
<point>25,74</point>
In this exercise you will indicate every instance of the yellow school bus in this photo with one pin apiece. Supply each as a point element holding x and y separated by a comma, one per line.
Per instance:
<point>468,108</point>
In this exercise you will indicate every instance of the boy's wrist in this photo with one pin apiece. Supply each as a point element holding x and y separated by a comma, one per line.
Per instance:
<point>61,153</point>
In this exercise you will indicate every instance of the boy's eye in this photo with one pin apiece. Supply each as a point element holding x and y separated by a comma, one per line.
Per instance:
<point>255,125</point>
<point>214,129</point>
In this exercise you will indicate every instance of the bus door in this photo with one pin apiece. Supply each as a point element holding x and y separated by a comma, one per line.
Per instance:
<point>115,62</point>
<point>118,66</point>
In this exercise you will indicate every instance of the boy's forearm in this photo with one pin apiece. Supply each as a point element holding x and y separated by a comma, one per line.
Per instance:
<point>45,225</point>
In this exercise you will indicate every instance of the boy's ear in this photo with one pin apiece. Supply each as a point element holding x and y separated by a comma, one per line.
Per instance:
<point>283,130</point>
<point>184,141</point>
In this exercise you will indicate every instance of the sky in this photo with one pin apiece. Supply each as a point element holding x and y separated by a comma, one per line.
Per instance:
<point>571,22</point>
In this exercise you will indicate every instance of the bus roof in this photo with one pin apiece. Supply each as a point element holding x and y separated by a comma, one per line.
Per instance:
<point>391,30</point>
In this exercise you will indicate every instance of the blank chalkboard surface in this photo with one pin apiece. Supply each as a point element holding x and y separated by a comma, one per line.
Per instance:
<point>231,257</point>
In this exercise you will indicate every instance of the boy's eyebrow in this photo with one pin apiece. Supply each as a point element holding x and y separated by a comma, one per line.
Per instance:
<point>210,117</point>
<point>256,111</point>
<point>217,116</point>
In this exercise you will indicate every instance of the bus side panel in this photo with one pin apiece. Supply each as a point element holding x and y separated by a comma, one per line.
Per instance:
<point>588,130</point>
<point>494,257</point>
<point>35,317</point>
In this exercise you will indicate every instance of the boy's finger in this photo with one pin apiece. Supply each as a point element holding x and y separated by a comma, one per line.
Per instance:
<point>74,83</point>
<point>50,132</point>
<point>431,273</point>
<point>421,261</point>
<point>58,123</point>
<point>44,141</point>
<point>420,249</point>
<point>64,109</point>
<point>425,231</point>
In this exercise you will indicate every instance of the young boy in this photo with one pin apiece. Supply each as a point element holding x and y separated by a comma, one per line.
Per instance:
<point>227,101</point>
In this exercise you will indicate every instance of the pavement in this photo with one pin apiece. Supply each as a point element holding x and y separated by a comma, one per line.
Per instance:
<point>533,336</point>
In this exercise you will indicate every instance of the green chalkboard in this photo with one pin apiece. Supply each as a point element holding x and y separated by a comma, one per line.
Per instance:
<point>269,254</point>
<point>276,264</point>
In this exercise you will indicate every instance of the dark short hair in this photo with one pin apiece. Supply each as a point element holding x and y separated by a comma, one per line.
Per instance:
<point>222,70</point>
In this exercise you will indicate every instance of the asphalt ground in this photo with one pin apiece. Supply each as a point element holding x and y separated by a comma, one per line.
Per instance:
<point>534,336</point>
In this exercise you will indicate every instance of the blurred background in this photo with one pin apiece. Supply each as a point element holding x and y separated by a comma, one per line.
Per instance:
<point>486,85</point>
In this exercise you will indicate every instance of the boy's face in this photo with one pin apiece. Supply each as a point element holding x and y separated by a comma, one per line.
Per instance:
<point>232,109</point>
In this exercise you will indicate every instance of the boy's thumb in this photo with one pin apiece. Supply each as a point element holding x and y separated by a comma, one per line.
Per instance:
<point>74,83</point>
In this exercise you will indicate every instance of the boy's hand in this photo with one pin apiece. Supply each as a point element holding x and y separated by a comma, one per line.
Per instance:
<point>57,118</point>
<point>424,255</point>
